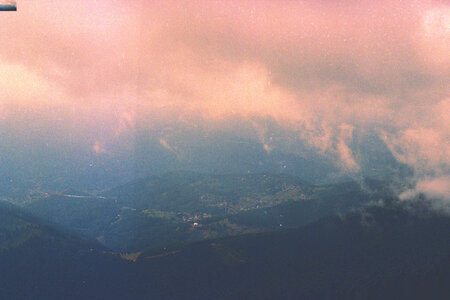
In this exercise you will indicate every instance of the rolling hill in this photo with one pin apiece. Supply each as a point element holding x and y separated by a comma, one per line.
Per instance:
<point>182,206</point>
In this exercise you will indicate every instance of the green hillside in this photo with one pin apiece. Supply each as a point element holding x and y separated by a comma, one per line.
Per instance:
<point>186,206</point>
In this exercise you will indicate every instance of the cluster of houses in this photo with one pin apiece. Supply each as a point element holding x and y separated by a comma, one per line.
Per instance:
<point>188,217</point>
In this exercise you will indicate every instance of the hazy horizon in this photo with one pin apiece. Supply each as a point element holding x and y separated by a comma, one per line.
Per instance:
<point>205,85</point>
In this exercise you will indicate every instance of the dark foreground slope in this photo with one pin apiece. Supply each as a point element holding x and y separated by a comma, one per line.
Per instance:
<point>382,253</point>
<point>379,253</point>
<point>38,261</point>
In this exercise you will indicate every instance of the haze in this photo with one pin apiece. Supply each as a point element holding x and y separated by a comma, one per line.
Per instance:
<point>114,85</point>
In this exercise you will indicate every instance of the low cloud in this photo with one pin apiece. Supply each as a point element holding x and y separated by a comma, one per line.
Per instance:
<point>437,188</point>
<point>98,148</point>
<point>319,70</point>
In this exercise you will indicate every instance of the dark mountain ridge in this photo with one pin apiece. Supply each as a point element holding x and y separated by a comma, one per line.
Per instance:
<point>375,253</point>
<point>380,252</point>
<point>40,261</point>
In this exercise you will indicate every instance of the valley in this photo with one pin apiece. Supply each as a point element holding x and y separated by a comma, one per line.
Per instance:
<point>185,206</point>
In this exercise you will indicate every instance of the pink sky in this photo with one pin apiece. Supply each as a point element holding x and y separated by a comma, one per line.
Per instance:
<point>317,68</point>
